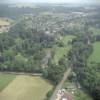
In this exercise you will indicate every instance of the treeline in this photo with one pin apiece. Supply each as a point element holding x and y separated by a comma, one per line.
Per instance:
<point>87,75</point>
<point>12,11</point>
<point>23,49</point>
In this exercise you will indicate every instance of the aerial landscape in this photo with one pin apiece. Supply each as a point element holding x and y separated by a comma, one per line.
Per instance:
<point>50,50</point>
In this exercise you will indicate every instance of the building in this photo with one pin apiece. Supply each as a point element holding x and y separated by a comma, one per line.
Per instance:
<point>63,95</point>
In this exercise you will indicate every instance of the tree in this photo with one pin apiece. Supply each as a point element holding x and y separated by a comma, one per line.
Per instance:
<point>54,73</point>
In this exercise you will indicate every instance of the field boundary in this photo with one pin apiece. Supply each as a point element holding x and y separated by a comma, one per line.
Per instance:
<point>22,73</point>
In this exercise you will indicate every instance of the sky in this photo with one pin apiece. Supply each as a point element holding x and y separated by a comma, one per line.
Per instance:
<point>50,1</point>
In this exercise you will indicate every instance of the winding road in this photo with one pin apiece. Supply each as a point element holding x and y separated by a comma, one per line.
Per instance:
<point>59,86</point>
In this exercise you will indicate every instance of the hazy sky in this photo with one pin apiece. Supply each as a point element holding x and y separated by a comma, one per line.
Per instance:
<point>51,1</point>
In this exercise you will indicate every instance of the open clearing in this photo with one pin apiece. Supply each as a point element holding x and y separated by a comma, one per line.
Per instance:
<point>95,57</point>
<point>25,87</point>
<point>61,51</point>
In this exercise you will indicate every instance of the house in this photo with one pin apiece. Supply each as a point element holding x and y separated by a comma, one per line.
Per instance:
<point>63,95</point>
<point>66,96</point>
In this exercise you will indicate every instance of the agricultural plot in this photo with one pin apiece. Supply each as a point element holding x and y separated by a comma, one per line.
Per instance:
<point>61,51</point>
<point>4,22</point>
<point>25,87</point>
<point>95,57</point>
<point>5,80</point>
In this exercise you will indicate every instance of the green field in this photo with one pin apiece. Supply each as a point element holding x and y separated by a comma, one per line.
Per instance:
<point>5,80</point>
<point>95,57</point>
<point>24,87</point>
<point>61,51</point>
<point>96,31</point>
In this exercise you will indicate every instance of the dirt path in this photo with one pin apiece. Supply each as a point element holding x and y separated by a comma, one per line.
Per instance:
<point>59,86</point>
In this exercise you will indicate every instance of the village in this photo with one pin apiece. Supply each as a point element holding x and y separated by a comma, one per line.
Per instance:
<point>51,23</point>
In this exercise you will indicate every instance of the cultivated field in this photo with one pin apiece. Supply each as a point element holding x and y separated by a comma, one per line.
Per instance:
<point>5,80</point>
<point>25,87</point>
<point>4,22</point>
<point>95,57</point>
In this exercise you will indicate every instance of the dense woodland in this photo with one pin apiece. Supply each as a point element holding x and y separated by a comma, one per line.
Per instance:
<point>23,49</point>
<point>87,75</point>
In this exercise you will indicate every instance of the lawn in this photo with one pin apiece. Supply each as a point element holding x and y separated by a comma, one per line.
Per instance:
<point>61,51</point>
<point>78,94</point>
<point>81,95</point>
<point>5,80</point>
<point>95,57</point>
<point>26,88</point>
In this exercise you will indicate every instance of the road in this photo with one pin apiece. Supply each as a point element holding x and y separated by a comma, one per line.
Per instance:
<point>59,86</point>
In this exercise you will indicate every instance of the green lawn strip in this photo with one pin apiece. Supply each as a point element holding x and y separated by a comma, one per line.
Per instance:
<point>61,51</point>
<point>5,80</point>
<point>95,57</point>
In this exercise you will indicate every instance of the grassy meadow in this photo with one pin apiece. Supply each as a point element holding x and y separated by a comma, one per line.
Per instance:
<point>23,87</point>
<point>95,57</point>
<point>61,51</point>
